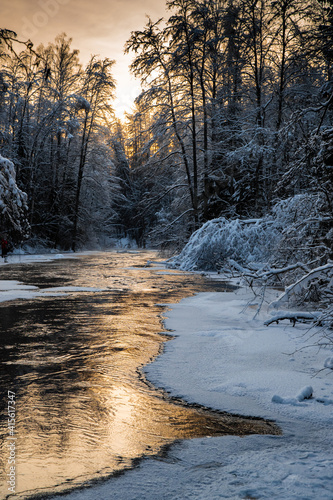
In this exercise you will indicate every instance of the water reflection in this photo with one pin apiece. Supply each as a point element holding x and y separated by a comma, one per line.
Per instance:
<point>84,409</point>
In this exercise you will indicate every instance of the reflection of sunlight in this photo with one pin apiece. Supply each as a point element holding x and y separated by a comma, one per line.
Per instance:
<point>123,428</point>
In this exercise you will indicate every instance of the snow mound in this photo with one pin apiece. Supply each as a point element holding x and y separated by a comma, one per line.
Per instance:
<point>305,393</point>
<point>329,363</point>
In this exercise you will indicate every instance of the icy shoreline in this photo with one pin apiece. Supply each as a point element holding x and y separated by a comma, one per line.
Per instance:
<point>223,358</point>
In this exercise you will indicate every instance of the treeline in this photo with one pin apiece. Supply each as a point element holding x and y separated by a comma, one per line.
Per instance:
<point>54,128</point>
<point>235,114</point>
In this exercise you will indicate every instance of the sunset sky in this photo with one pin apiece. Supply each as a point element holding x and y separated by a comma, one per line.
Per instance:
<point>96,27</point>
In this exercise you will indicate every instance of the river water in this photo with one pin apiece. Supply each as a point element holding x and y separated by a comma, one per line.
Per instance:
<point>84,410</point>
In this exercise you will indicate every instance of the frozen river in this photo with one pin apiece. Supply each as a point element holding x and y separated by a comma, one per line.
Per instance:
<point>73,357</point>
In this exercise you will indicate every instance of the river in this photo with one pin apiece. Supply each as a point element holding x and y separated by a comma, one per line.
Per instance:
<point>84,409</point>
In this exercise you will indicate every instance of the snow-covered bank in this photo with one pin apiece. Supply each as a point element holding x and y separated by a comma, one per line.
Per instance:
<point>221,357</point>
<point>26,258</point>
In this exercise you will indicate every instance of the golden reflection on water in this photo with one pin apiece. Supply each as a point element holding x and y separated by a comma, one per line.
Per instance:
<point>84,409</point>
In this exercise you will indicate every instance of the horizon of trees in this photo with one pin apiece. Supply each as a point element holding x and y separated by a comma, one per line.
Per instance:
<point>235,114</point>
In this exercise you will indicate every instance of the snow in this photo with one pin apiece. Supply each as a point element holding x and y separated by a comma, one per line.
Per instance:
<point>13,290</point>
<point>221,357</point>
<point>301,283</point>
<point>329,363</point>
<point>220,240</point>
<point>19,256</point>
<point>305,393</point>
<point>289,235</point>
<point>293,316</point>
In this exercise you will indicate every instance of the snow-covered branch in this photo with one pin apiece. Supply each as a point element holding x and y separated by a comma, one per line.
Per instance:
<point>293,317</point>
<point>296,288</point>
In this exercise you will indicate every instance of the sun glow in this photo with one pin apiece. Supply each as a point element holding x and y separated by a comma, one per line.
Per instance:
<point>126,94</point>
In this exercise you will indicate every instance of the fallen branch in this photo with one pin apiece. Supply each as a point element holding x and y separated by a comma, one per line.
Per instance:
<point>293,316</point>
<point>269,273</point>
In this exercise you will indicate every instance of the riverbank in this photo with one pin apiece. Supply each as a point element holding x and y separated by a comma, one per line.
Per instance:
<point>223,358</point>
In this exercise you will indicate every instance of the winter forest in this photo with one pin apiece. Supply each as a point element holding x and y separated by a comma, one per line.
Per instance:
<point>231,138</point>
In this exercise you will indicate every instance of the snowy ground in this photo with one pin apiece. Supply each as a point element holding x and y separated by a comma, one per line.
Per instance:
<point>221,357</point>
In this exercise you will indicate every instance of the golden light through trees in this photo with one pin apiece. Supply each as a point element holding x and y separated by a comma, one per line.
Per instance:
<point>97,28</point>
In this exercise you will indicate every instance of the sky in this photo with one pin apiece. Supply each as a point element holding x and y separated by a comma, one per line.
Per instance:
<point>99,27</point>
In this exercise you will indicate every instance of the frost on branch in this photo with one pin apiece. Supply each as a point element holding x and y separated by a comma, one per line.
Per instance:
<point>304,289</point>
<point>305,224</point>
<point>80,102</point>
<point>13,201</point>
<point>293,317</point>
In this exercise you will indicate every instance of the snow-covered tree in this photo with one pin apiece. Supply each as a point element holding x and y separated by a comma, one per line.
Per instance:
<point>51,125</point>
<point>13,202</point>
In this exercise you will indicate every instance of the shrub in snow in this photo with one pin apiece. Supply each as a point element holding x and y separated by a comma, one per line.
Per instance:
<point>219,240</point>
<point>13,201</point>
<point>295,230</point>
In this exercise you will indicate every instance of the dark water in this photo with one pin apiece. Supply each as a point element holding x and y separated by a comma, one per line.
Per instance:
<point>83,407</point>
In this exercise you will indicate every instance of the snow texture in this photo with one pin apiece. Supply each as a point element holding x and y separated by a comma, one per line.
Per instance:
<point>297,287</point>
<point>219,240</point>
<point>255,244</point>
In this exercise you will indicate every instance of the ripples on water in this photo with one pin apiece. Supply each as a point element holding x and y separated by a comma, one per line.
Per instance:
<point>84,408</point>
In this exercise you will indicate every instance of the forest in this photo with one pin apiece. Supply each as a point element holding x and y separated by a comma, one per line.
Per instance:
<point>233,124</point>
